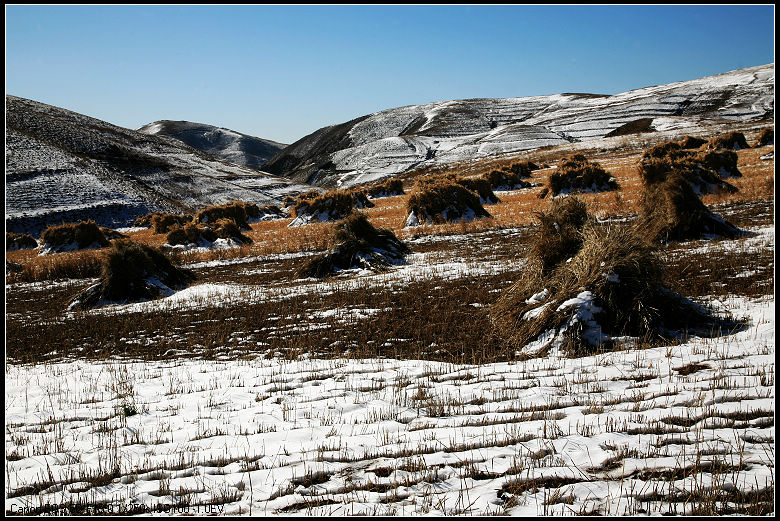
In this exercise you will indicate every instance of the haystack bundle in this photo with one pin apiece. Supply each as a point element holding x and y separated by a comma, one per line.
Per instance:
<point>19,241</point>
<point>522,169</point>
<point>72,236</point>
<point>767,137</point>
<point>703,169</point>
<point>670,210</point>
<point>692,142</point>
<point>205,235</point>
<point>357,244</point>
<point>595,296</point>
<point>162,222</point>
<point>730,141</point>
<point>235,211</point>
<point>481,187</point>
<point>330,206</point>
<point>559,236</point>
<point>577,174</point>
<point>502,180</point>
<point>441,201</point>
<point>133,272</point>
<point>388,188</point>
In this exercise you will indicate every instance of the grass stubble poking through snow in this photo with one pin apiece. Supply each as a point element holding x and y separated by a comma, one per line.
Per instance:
<point>256,391</point>
<point>681,429</point>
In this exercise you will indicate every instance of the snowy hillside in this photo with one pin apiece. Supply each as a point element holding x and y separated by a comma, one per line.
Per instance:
<point>221,143</point>
<point>64,166</point>
<point>397,140</point>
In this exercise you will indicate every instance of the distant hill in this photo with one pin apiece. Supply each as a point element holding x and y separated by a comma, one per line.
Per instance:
<point>222,143</point>
<point>64,166</point>
<point>398,140</point>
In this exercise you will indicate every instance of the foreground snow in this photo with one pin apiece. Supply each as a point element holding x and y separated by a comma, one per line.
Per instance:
<point>611,433</point>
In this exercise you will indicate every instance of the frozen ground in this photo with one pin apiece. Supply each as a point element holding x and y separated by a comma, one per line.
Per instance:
<point>638,431</point>
<point>685,428</point>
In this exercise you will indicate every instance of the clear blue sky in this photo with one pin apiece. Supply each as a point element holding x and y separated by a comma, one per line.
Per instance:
<point>281,72</point>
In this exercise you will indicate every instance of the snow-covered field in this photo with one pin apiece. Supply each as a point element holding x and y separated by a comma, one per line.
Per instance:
<point>684,428</point>
<point>639,431</point>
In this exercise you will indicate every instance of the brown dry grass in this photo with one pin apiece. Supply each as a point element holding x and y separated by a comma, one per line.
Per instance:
<point>237,211</point>
<point>623,274</point>
<point>578,173</point>
<point>336,204</point>
<point>83,234</point>
<point>20,241</point>
<point>356,243</point>
<point>125,268</point>
<point>766,137</point>
<point>730,140</point>
<point>387,188</point>
<point>433,201</point>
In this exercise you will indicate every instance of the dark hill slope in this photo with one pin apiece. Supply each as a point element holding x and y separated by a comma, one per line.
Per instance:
<point>64,166</point>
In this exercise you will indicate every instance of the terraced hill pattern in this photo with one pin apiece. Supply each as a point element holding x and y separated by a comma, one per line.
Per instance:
<point>398,140</point>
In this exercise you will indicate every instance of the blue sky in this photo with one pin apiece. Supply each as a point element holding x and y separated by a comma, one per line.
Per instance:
<point>282,72</point>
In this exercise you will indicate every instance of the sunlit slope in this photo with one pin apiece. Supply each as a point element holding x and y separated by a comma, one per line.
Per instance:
<point>397,140</point>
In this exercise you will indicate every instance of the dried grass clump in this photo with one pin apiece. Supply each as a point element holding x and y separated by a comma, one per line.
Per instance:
<point>267,213</point>
<point>73,236</point>
<point>668,150</point>
<point>330,206</point>
<point>13,267</point>
<point>559,235</point>
<point>388,188</point>
<point>730,141</point>
<point>501,180</point>
<point>19,241</point>
<point>290,201</point>
<point>577,174</point>
<point>609,290</point>
<point>237,211</point>
<point>133,272</point>
<point>670,210</point>
<point>162,222</point>
<point>522,169</point>
<point>205,235</point>
<point>357,244</point>
<point>767,137</point>
<point>723,162</point>
<point>692,142</point>
<point>703,169</point>
<point>481,187</point>
<point>227,229</point>
<point>440,201</point>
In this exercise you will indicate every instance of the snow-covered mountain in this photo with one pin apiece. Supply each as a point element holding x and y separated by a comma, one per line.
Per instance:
<point>64,166</point>
<point>219,142</point>
<point>397,140</point>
